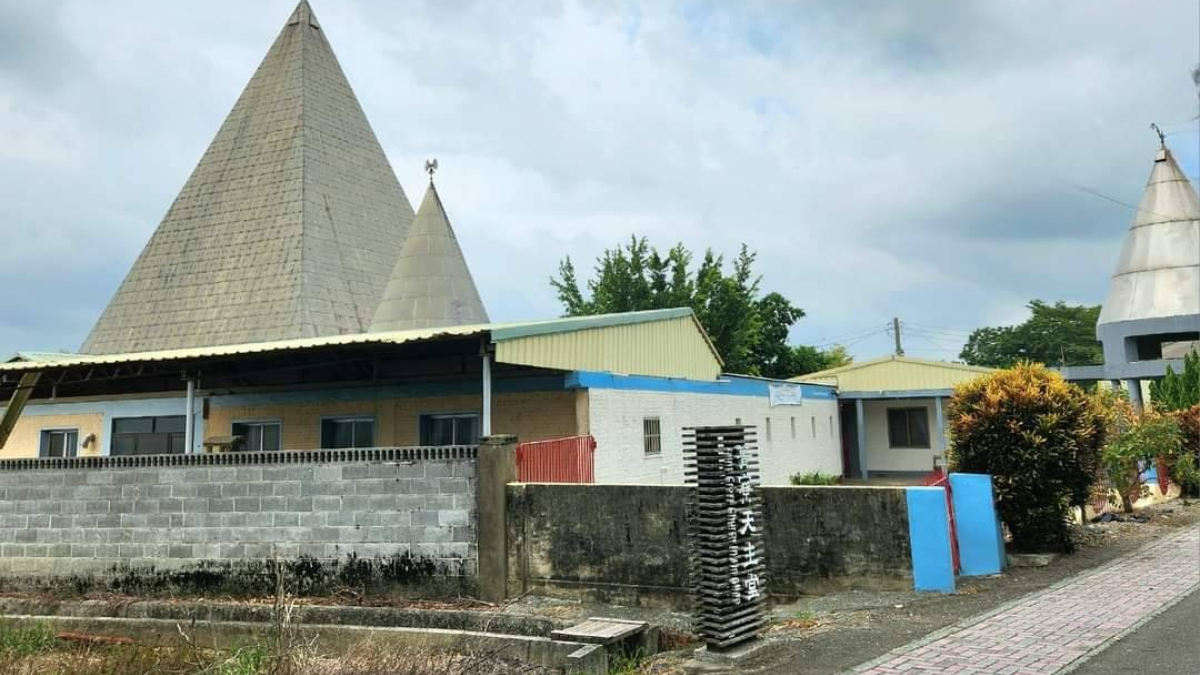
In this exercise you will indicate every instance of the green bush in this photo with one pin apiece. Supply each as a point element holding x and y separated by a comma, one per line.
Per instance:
<point>815,478</point>
<point>1185,466</point>
<point>1135,441</point>
<point>1040,440</point>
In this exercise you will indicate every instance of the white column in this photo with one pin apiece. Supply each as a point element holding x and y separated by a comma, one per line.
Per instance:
<point>486,422</point>
<point>189,419</point>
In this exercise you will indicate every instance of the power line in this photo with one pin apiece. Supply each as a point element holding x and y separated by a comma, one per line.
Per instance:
<point>941,347</point>
<point>948,332</point>
<point>850,335</point>
<point>1097,193</point>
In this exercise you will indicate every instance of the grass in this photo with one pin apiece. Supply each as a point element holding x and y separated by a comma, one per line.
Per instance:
<point>20,639</point>
<point>815,478</point>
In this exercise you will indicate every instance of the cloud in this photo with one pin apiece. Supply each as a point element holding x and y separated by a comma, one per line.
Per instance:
<point>920,160</point>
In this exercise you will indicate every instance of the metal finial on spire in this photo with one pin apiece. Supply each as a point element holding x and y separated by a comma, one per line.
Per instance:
<point>1162,138</point>
<point>431,165</point>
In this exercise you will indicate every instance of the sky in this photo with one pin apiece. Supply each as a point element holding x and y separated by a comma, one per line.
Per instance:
<point>943,163</point>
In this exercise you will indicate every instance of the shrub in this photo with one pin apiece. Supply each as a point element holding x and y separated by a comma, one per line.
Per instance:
<point>1178,392</point>
<point>815,478</point>
<point>1185,467</point>
<point>1135,441</point>
<point>1039,438</point>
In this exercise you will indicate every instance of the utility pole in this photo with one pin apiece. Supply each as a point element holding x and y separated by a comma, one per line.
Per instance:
<point>896,334</point>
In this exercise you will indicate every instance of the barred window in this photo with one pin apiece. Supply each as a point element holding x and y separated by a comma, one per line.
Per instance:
<point>652,435</point>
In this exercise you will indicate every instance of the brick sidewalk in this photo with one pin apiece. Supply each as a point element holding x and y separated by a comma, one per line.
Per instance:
<point>1044,632</point>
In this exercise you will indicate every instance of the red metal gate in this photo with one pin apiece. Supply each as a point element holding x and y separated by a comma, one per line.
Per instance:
<point>561,460</point>
<point>939,479</point>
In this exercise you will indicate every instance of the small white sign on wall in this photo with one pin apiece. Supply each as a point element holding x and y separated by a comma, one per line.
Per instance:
<point>784,393</point>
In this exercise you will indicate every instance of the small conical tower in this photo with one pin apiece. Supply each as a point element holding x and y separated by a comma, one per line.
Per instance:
<point>1153,305</point>
<point>287,227</point>
<point>431,285</point>
<point>1158,273</point>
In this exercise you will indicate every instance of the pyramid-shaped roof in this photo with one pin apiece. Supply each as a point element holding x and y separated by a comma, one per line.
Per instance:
<point>287,228</point>
<point>1158,273</point>
<point>431,285</point>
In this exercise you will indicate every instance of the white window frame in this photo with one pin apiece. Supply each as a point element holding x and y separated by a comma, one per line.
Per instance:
<point>460,414</point>
<point>260,422</point>
<point>347,418</point>
<point>44,446</point>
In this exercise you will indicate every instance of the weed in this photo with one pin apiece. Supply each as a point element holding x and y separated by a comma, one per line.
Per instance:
<point>625,662</point>
<point>18,639</point>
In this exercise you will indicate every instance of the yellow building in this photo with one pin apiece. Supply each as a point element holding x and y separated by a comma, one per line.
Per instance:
<point>891,412</point>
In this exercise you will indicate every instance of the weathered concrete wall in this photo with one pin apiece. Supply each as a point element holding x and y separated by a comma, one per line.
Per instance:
<point>85,520</point>
<point>628,543</point>
<point>818,538</point>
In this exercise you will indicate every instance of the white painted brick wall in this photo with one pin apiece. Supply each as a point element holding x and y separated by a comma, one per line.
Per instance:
<point>616,423</point>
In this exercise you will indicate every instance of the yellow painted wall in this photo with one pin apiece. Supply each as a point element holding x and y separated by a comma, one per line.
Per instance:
<point>26,437</point>
<point>531,416</point>
<point>672,348</point>
<point>897,374</point>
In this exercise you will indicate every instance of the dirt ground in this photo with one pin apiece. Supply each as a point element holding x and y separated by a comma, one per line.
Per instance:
<point>825,635</point>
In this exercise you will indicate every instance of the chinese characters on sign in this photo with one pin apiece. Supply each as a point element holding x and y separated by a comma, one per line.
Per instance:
<point>725,530</point>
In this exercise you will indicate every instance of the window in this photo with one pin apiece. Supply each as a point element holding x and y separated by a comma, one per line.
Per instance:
<point>793,428</point>
<point>831,426</point>
<point>149,435</point>
<point>768,429</point>
<point>59,443</point>
<point>453,429</point>
<point>348,432</point>
<point>813,421</point>
<point>259,436</point>
<point>652,436</point>
<point>908,428</point>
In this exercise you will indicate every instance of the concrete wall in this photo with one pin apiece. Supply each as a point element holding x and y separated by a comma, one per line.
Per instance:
<point>881,457</point>
<point>802,438</point>
<point>628,543</point>
<point>70,521</point>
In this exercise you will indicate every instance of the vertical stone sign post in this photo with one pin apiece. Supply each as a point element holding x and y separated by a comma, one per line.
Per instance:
<point>725,533</point>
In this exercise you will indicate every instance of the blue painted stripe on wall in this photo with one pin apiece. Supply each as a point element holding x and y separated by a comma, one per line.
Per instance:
<point>929,532</point>
<point>980,546</point>
<point>138,407</point>
<point>421,390</point>
<point>727,386</point>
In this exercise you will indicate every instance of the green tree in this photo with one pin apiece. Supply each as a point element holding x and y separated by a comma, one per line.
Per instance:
<point>1056,335</point>
<point>749,329</point>
<point>1178,392</point>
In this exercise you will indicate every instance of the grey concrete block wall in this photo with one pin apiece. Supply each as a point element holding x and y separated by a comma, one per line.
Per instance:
<point>628,543</point>
<point>76,521</point>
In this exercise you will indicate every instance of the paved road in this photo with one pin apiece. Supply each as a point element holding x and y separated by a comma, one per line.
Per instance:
<point>1168,644</point>
<point>1043,633</point>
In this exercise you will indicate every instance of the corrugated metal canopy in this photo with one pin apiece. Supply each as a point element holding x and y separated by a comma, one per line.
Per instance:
<point>896,373</point>
<point>667,343</point>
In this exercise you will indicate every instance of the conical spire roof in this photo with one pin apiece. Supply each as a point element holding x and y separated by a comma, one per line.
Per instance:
<point>1158,273</point>
<point>288,226</point>
<point>431,285</point>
